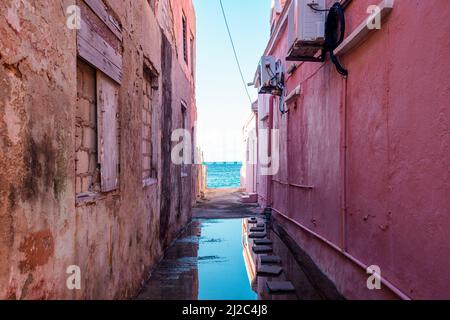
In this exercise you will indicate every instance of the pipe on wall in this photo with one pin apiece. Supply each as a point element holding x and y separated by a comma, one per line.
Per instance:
<point>344,162</point>
<point>344,253</point>
<point>343,249</point>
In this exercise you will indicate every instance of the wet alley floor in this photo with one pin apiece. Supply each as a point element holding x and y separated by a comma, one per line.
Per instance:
<point>214,258</point>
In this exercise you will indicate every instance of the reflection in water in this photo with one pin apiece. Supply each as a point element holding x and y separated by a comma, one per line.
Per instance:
<point>224,278</point>
<point>292,271</point>
<point>176,277</point>
<point>213,260</point>
<point>248,257</point>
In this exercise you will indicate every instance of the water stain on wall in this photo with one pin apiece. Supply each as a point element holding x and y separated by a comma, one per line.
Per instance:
<point>43,163</point>
<point>166,179</point>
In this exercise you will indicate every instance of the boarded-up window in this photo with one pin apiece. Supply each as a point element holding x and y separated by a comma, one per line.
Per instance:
<point>193,145</point>
<point>99,40</point>
<point>185,38</point>
<point>108,142</point>
<point>184,119</point>
<point>86,164</point>
<point>99,47</point>
<point>192,55</point>
<point>153,4</point>
<point>97,130</point>
<point>149,127</point>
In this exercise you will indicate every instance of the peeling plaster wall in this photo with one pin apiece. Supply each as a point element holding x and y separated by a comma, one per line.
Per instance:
<point>114,239</point>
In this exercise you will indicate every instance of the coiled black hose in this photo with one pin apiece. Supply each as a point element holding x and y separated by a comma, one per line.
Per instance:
<point>334,34</point>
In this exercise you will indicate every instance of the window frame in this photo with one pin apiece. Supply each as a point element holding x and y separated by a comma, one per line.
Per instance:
<point>192,53</point>
<point>184,124</point>
<point>150,81</point>
<point>184,27</point>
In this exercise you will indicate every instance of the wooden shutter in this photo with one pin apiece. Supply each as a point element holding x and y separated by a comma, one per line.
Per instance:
<point>108,145</point>
<point>99,40</point>
<point>98,7</point>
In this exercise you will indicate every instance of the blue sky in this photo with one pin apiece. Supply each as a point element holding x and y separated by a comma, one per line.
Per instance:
<point>222,103</point>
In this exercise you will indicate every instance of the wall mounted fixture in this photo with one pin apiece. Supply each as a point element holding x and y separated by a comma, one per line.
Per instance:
<point>362,32</point>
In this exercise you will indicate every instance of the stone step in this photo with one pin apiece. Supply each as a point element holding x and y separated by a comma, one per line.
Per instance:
<point>269,260</point>
<point>257,235</point>
<point>262,249</point>
<point>280,286</point>
<point>266,270</point>
<point>249,198</point>
<point>252,221</point>
<point>257,229</point>
<point>261,225</point>
<point>263,242</point>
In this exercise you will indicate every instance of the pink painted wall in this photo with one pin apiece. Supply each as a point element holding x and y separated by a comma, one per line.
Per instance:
<point>383,200</point>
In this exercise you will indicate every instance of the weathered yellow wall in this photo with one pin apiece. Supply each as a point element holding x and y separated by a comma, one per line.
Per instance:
<point>116,239</point>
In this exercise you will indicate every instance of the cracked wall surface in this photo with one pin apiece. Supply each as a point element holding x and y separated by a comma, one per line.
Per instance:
<point>115,238</point>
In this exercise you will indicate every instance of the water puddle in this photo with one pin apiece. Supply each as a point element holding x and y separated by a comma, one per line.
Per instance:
<point>225,277</point>
<point>214,260</point>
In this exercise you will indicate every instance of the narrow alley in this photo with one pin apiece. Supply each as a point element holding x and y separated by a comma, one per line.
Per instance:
<point>224,149</point>
<point>217,258</point>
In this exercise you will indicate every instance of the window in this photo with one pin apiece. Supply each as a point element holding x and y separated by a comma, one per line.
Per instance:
<point>184,169</point>
<point>247,156</point>
<point>193,159</point>
<point>184,116</point>
<point>153,4</point>
<point>86,160</point>
<point>97,130</point>
<point>108,124</point>
<point>192,55</point>
<point>149,156</point>
<point>185,44</point>
<point>99,75</point>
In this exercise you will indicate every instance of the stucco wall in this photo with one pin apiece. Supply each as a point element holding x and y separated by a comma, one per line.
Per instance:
<point>115,239</point>
<point>375,148</point>
<point>250,150</point>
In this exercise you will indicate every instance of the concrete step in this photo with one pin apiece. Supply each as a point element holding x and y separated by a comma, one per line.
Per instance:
<point>264,242</point>
<point>261,225</point>
<point>280,286</point>
<point>257,235</point>
<point>249,198</point>
<point>257,229</point>
<point>262,249</point>
<point>252,221</point>
<point>269,260</point>
<point>270,271</point>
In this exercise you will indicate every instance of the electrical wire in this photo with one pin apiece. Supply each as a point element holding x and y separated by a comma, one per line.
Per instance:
<point>335,20</point>
<point>334,34</point>
<point>234,50</point>
<point>280,86</point>
<point>314,5</point>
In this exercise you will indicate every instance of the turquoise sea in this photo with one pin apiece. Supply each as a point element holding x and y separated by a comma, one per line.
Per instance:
<point>223,175</point>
